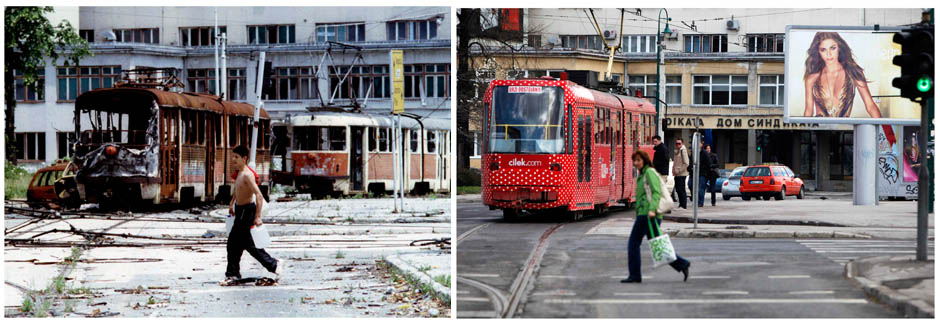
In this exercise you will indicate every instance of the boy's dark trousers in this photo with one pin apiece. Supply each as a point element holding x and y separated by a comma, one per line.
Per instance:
<point>240,240</point>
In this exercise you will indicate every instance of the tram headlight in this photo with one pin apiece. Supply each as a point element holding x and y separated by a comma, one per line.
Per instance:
<point>555,167</point>
<point>494,166</point>
<point>111,151</point>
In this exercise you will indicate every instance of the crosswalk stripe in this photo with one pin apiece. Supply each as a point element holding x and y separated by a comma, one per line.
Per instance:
<point>725,292</point>
<point>787,276</point>
<point>637,294</point>
<point>812,292</point>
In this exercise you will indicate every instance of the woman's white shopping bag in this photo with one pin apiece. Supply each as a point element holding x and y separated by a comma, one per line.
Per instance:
<point>660,246</point>
<point>259,234</point>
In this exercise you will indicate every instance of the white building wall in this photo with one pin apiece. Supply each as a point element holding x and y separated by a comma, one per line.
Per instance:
<point>51,116</point>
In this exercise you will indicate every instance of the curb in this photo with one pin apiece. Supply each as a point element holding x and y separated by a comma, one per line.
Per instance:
<point>705,233</point>
<point>902,304</point>
<point>408,269</point>
<point>687,219</point>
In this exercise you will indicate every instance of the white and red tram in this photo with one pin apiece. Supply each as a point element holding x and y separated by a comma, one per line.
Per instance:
<point>553,144</point>
<point>344,153</point>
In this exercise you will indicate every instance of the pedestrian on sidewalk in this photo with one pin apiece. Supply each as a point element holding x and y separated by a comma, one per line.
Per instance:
<point>712,172</point>
<point>660,157</point>
<point>680,171</point>
<point>646,211</point>
<point>704,165</point>
<point>246,207</point>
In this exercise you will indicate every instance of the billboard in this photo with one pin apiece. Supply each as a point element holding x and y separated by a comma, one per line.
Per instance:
<point>843,75</point>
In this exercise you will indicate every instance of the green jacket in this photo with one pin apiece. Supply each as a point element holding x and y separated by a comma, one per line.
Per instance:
<point>643,205</point>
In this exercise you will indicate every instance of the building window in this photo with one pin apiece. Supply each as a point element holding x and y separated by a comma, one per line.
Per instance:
<point>271,34</point>
<point>840,155</point>
<point>593,42</point>
<point>706,43</point>
<point>436,80</point>
<point>639,44</point>
<point>673,89</point>
<point>476,144</point>
<point>381,87</point>
<point>646,84</point>
<point>64,142</point>
<point>201,80</point>
<point>139,35</point>
<point>73,81</point>
<point>87,34</point>
<point>807,155</point>
<point>341,32</point>
<point>765,43</point>
<point>726,90</point>
<point>293,83</point>
<point>237,84</point>
<point>31,146</point>
<point>771,90</point>
<point>411,30</point>
<point>199,36</point>
<point>29,94</point>
<point>413,79</point>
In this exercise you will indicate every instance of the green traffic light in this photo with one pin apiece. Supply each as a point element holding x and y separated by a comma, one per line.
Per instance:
<point>924,84</point>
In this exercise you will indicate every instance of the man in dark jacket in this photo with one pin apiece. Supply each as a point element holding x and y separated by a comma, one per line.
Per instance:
<point>704,167</point>
<point>660,156</point>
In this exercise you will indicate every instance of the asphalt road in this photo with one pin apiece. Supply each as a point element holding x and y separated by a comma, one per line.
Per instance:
<point>579,272</point>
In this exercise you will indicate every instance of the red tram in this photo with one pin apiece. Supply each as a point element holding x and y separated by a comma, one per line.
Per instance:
<point>155,146</point>
<point>553,144</point>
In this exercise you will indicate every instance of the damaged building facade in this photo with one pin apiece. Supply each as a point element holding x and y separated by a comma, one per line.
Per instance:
<point>723,73</point>
<point>295,41</point>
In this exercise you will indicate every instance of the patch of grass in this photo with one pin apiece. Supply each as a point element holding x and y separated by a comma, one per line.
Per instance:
<point>43,309</point>
<point>462,190</point>
<point>79,291</point>
<point>58,284</point>
<point>340,254</point>
<point>443,280</point>
<point>424,269</point>
<point>68,306</point>
<point>151,300</point>
<point>16,181</point>
<point>28,305</point>
<point>357,196</point>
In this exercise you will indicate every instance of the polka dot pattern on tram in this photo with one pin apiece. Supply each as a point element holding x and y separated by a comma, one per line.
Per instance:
<point>571,193</point>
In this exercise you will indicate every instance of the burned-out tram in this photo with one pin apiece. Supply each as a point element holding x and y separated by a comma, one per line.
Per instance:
<point>147,144</point>
<point>346,153</point>
<point>552,144</point>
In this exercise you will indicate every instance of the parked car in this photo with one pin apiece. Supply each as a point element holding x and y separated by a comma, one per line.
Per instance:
<point>41,190</point>
<point>770,180</point>
<point>730,188</point>
<point>722,178</point>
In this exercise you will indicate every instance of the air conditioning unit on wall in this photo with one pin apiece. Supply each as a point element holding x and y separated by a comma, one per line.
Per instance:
<point>610,34</point>
<point>733,24</point>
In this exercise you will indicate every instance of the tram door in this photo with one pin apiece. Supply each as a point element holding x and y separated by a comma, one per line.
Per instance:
<point>169,152</point>
<point>355,157</point>
<point>584,142</point>
<point>209,126</point>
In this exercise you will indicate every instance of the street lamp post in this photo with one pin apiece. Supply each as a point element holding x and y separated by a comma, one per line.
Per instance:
<point>659,69</point>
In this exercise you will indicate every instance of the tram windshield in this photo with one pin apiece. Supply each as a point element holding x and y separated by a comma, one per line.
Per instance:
<point>527,120</point>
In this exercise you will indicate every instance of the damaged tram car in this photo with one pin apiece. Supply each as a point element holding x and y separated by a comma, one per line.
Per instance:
<point>555,145</point>
<point>346,153</point>
<point>150,146</point>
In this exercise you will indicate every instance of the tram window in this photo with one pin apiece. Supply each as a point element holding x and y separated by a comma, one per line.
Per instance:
<point>431,141</point>
<point>414,141</point>
<point>370,133</point>
<point>383,140</point>
<point>201,123</point>
<point>337,138</point>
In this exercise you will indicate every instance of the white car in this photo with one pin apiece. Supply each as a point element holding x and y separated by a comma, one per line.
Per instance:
<point>732,187</point>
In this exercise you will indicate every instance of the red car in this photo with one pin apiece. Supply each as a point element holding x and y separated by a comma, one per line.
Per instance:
<point>41,189</point>
<point>770,180</point>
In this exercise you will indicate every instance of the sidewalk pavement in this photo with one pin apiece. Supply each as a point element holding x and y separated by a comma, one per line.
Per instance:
<point>898,282</point>
<point>426,270</point>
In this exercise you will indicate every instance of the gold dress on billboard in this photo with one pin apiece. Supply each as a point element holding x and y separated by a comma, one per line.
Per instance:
<point>829,104</point>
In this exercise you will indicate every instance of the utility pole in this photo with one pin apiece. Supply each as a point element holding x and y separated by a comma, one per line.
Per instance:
<point>216,52</point>
<point>660,70</point>
<point>258,104</point>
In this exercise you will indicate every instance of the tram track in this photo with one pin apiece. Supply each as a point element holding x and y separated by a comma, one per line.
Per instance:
<point>506,304</point>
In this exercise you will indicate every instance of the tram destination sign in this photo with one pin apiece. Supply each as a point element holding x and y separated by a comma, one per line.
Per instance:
<point>744,122</point>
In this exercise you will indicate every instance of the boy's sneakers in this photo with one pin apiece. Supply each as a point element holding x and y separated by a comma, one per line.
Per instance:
<point>230,280</point>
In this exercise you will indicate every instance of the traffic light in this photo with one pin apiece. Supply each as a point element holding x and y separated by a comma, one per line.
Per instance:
<point>916,62</point>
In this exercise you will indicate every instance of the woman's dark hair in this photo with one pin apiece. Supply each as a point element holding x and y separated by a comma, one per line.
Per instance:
<point>642,155</point>
<point>815,64</point>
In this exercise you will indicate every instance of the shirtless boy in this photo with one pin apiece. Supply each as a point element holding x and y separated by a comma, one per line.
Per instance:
<point>247,214</point>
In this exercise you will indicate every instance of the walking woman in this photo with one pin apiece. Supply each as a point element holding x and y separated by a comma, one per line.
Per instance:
<point>646,211</point>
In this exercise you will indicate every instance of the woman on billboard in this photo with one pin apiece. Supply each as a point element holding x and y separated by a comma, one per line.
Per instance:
<point>832,77</point>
